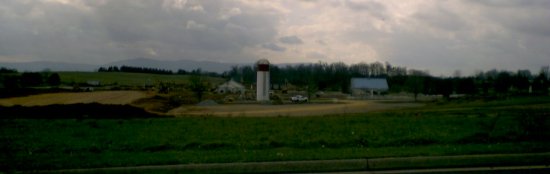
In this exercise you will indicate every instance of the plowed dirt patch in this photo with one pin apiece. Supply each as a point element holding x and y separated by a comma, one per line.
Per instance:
<point>103,97</point>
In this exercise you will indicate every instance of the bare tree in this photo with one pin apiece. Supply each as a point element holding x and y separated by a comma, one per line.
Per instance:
<point>415,82</point>
<point>198,84</point>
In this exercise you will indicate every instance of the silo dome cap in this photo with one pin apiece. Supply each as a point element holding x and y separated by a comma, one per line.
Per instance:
<point>263,62</point>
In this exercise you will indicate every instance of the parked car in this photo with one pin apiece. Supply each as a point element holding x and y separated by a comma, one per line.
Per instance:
<point>298,99</point>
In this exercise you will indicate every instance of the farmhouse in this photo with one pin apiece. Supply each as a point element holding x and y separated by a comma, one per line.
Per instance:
<point>364,86</point>
<point>230,86</point>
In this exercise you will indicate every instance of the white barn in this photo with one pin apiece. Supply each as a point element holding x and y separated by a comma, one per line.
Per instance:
<point>362,86</point>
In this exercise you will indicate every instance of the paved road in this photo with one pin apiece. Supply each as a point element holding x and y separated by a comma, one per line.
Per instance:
<point>508,169</point>
<point>532,163</point>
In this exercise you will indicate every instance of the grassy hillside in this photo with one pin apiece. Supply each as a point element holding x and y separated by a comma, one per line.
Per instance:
<point>512,126</point>
<point>126,79</point>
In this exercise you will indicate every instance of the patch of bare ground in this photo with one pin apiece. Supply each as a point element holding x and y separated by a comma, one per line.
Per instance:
<point>102,97</point>
<point>310,109</point>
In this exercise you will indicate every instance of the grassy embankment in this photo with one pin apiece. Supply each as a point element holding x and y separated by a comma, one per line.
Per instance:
<point>510,126</point>
<point>108,81</point>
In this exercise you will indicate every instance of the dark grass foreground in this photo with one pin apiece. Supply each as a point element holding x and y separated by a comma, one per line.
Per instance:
<point>514,126</point>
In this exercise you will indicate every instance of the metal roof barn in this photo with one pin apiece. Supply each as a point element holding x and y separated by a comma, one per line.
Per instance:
<point>369,83</point>
<point>230,87</point>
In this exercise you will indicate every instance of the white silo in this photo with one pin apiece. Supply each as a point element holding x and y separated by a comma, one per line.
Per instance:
<point>262,80</point>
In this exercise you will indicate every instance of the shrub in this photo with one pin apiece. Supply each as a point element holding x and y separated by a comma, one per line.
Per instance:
<point>183,98</point>
<point>276,100</point>
<point>533,124</point>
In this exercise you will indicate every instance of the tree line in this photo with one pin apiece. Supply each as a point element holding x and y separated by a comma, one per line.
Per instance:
<point>4,70</point>
<point>14,80</point>
<point>322,76</point>
<point>337,76</point>
<point>13,83</point>
<point>132,69</point>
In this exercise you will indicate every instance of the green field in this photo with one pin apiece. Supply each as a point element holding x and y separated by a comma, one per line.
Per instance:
<point>126,79</point>
<point>460,127</point>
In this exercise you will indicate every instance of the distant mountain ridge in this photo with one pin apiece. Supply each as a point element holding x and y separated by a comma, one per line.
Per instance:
<point>175,65</point>
<point>47,65</point>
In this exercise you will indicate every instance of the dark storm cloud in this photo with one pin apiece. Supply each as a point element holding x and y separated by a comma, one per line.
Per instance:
<point>273,47</point>
<point>291,40</point>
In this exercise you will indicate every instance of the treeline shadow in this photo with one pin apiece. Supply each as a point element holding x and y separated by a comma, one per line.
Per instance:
<point>75,111</point>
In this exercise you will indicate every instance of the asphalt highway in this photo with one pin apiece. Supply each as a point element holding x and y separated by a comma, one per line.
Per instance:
<point>502,169</point>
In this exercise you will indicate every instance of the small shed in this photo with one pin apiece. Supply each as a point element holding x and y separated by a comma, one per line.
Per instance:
<point>359,86</point>
<point>230,86</point>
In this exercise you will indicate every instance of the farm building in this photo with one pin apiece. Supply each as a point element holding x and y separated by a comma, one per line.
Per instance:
<point>93,82</point>
<point>230,86</point>
<point>262,80</point>
<point>364,86</point>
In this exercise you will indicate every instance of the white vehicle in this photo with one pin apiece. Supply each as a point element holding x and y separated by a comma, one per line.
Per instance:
<point>298,99</point>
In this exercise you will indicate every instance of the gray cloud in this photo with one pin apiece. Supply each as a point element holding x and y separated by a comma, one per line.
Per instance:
<point>291,40</point>
<point>441,37</point>
<point>522,16</point>
<point>316,56</point>
<point>438,35</point>
<point>273,47</point>
<point>440,18</point>
<point>513,3</point>
<point>373,8</point>
<point>123,29</point>
<point>321,42</point>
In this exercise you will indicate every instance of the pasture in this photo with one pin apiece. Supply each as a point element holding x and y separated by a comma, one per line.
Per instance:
<point>462,127</point>
<point>126,79</point>
<point>309,109</point>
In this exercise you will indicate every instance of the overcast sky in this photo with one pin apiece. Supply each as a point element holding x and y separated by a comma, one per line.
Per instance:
<point>436,35</point>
